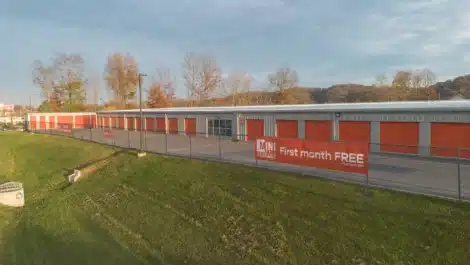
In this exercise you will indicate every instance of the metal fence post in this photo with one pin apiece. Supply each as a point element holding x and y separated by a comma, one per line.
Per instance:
<point>254,153</point>
<point>459,187</point>
<point>166,142</point>
<point>128,139</point>
<point>219,147</point>
<point>190,146</point>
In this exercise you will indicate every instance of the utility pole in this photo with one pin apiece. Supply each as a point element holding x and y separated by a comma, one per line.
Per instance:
<point>141,151</point>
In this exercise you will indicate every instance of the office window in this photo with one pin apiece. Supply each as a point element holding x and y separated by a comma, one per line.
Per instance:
<point>220,127</point>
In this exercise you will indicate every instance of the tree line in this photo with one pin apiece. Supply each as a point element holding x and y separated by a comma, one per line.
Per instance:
<point>65,86</point>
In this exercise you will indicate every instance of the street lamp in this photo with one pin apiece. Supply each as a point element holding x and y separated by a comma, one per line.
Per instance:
<point>141,152</point>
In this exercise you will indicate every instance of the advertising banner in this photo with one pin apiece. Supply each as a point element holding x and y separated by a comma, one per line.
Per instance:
<point>66,128</point>
<point>107,132</point>
<point>339,156</point>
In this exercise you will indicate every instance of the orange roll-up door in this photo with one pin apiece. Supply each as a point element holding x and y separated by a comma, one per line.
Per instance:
<point>52,122</point>
<point>254,129</point>
<point>399,137</point>
<point>42,122</point>
<point>190,126</point>
<point>161,125</point>
<point>446,138</point>
<point>130,123</point>
<point>173,125</point>
<point>65,120</point>
<point>287,128</point>
<point>150,124</point>
<point>138,123</point>
<point>121,123</point>
<point>318,130</point>
<point>79,122</point>
<point>354,131</point>
<point>32,123</point>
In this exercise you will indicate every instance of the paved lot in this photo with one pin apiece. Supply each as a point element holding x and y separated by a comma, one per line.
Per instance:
<point>430,176</point>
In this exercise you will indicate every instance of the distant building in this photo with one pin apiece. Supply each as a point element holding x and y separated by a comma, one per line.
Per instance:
<point>461,96</point>
<point>6,109</point>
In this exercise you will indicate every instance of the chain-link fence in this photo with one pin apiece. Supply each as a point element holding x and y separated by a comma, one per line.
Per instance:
<point>442,171</point>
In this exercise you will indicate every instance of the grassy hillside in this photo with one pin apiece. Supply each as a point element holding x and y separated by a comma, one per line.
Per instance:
<point>158,210</point>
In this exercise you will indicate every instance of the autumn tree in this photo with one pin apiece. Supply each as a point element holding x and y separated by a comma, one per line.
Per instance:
<point>157,98</point>
<point>201,75</point>
<point>401,85</point>
<point>162,90</point>
<point>237,87</point>
<point>414,85</point>
<point>281,81</point>
<point>62,82</point>
<point>122,77</point>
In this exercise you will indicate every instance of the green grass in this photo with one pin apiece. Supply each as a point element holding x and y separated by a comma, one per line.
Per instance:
<point>158,210</point>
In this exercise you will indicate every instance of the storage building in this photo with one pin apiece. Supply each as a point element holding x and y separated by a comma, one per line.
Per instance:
<point>435,128</point>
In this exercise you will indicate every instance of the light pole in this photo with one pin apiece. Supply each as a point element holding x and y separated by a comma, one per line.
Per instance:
<point>31,102</point>
<point>27,122</point>
<point>141,151</point>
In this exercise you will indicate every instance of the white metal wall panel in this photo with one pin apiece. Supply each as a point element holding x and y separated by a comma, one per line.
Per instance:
<point>242,128</point>
<point>375,136</point>
<point>301,129</point>
<point>181,125</point>
<point>201,125</point>
<point>424,138</point>
<point>269,126</point>
<point>235,126</point>
<point>335,129</point>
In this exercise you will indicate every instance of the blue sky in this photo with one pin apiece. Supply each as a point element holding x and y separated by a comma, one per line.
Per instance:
<point>327,42</point>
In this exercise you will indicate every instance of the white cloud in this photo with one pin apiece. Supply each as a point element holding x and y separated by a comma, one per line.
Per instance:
<point>337,41</point>
<point>433,49</point>
<point>421,27</point>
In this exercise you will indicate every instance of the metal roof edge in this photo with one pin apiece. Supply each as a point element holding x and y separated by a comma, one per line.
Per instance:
<point>455,105</point>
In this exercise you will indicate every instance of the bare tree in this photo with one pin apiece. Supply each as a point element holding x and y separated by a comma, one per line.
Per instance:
<point>237,86</point>
<point>429,77</point>
<point>166,82</point>
<point>44,77</point>
<point>71,77</point>
<point>201,76</point>
<point>94,90</point>
<point>381,80</point>
<point>63,81</point>
<point>417,79</point>
<point>284,79</point>
<point>122,76</point>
